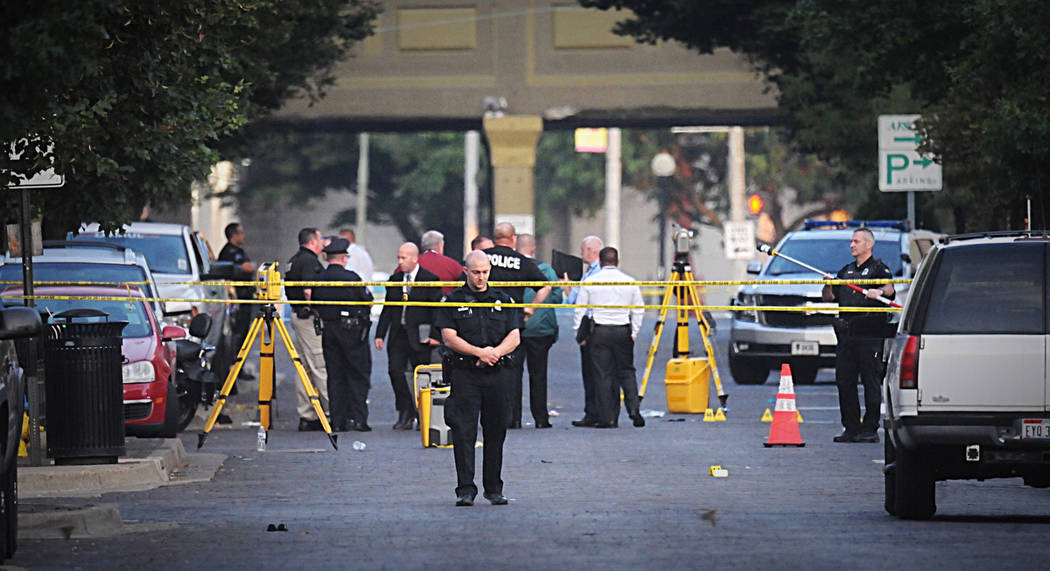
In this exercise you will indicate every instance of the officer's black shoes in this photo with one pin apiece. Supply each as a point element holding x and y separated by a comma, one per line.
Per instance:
<point>638,420</point>
<point>343,426</point>
<point>307,425</point>
<point>870,437</point>
<point>466,500</point>
<point>405,420</point>
<point>846,437</point>
<point>496,499</point>
<point>362,427</point>
<point>584,422</point>
<point>544,424</point>
<point>514,424</point>
<point>605,425</point>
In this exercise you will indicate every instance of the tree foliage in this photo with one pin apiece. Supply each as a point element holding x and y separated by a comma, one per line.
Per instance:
<point>138,98</point>
<point>977,71</point>
<point>415,179</point>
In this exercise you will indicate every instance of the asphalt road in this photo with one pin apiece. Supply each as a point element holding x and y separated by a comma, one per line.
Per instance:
<point>580,498</point>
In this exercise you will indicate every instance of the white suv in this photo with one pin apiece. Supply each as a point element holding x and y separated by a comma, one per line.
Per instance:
<point>966,391</point>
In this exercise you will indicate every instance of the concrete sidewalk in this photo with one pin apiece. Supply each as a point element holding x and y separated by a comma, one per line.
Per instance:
<point>149,464</point>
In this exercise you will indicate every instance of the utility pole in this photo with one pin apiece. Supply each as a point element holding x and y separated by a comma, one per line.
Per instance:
<point>361,221</point>
<point>613,183</point>
<point>470,188</point>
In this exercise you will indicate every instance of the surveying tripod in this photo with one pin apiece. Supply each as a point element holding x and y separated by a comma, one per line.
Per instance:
<point>684,294</point>
<point>268,288</point>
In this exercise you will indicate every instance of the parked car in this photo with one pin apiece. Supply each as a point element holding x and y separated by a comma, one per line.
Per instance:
<point>86,262</point>
<point>760,341</point>
<point>151,403</point>
<point>177,256</point>
<point>967,393</point>
<point>15,322</point>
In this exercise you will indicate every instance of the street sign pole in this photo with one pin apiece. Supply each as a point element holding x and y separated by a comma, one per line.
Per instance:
<point>35,382</point>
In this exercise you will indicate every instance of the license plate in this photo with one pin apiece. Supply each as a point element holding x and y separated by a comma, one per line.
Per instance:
<point>1035,428</point>
<point>805,348</point>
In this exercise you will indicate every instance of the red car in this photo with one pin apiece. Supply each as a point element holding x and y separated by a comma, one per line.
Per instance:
<point>150,401</point>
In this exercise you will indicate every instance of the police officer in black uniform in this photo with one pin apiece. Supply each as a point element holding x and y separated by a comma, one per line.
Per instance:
<point>305,267</point>
<point>511,266</point>
<point>345,341</point>
<point>860,337</point>
<point>479,340</point>
<point>243,270</point>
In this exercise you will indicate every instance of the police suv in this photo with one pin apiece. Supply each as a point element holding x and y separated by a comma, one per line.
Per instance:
<point>760,341</point>
<point>967,394</point>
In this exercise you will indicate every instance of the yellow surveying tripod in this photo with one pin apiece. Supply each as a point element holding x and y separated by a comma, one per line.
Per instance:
<point>267,288</point>
<point>684,294</point>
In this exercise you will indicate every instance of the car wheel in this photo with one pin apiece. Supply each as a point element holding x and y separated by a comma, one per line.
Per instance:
<point>748,371</point>
<point>188,396</point>
<point>889,473</point>
<point>914,486</point>
<point>804,371</point>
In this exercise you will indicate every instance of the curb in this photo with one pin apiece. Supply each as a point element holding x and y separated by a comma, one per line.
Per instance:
<point>127,475</point>
<point>152,463</point>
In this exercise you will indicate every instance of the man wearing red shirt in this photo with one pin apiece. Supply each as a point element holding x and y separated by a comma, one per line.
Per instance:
<point>434,259</point>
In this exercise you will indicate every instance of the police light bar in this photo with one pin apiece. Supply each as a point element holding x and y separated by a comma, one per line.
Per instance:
<point>901,225</point>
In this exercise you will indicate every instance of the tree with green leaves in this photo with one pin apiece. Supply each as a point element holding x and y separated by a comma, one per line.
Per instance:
<point>977,72</point>
<point>138,98</point>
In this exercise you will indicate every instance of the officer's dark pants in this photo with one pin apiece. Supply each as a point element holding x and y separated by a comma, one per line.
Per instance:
<point>349,363</point>
<point>402,358</point>
<point>537,350</point>
<point>475,392</point>
<point>863,356</point>
<point>590,400</point>
<point>612,350</point>
<point>513,373</point>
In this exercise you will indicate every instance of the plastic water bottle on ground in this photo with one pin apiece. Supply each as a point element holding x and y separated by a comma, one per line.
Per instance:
<point>358,445</point>
<point>261,444</point>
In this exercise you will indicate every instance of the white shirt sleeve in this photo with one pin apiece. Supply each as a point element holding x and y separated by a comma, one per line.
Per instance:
<point>579,312</point>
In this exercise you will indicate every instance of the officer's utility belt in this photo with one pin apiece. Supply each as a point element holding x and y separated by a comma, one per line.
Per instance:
<point>349,321</point>
<point>460,361</point>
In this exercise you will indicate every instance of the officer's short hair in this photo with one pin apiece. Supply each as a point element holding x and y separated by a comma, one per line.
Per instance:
<point>609,256</point>
<point>870,234</point>
<point>231,229</point>
<point>307,234</point>
<point>594,238</point>
<point>431,239</point>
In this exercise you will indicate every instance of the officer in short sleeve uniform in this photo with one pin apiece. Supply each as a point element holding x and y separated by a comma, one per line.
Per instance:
<point>305,267</point>
<point>347,356</point>
<point>479,340</point>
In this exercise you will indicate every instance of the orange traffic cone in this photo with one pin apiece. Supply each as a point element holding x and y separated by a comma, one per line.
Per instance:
<point>784,430</point>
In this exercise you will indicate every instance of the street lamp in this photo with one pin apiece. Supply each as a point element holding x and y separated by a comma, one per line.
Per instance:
<point>663,166</point>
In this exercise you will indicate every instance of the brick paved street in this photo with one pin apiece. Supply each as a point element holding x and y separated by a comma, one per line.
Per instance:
<point>580,498</point>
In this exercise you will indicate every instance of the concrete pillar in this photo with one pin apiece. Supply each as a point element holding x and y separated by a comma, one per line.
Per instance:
<point>512,144</point>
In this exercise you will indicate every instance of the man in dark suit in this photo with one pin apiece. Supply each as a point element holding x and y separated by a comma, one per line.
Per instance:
<point>409,341</point>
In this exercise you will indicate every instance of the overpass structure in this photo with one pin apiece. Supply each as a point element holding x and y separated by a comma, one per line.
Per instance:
<point>513,68</point>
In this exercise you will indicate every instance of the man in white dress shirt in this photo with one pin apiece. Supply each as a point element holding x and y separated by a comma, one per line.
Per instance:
<point>612,342</point>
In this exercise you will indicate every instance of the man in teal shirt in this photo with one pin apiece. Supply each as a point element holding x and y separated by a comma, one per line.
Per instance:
<point>541,331</point>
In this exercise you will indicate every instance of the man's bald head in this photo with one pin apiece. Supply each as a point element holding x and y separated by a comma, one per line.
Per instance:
<point>477,266</point>
<point>503,234</point>
<point>527,244</point>
<point>407,257</point>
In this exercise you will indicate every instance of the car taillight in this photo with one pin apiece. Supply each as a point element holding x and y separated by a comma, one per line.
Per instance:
<point>909,376</point>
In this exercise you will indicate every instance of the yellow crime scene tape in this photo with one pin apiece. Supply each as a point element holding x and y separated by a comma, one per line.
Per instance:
<point>817,308</point>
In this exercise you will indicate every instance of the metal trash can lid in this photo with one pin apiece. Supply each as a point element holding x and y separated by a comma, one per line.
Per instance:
<point>70,328</point>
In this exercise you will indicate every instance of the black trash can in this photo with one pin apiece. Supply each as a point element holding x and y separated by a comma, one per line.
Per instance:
<point>85,388</point>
